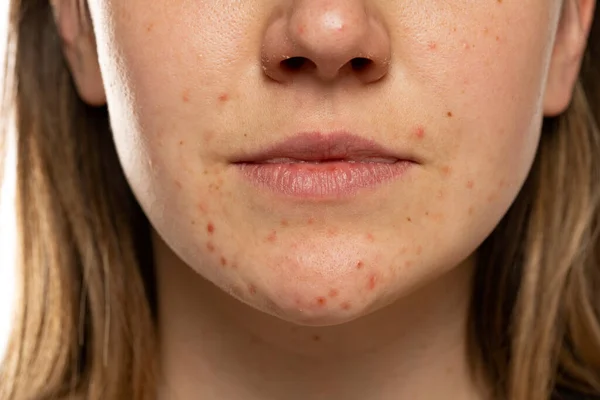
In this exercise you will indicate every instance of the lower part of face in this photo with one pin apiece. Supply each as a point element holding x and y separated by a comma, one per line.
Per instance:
<point>457,98</point>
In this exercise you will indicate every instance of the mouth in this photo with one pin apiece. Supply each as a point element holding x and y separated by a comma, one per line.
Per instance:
<point>319,166</point>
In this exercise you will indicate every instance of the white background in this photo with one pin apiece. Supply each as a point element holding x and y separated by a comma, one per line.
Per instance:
<point>7,230</point>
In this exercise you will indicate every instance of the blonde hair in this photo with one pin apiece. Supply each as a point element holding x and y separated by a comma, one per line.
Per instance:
<point>85,323</point>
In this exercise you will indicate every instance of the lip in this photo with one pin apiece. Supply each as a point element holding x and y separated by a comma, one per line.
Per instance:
<point>323,166</point>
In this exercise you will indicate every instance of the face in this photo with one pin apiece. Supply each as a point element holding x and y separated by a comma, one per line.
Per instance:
<point>320,159</point>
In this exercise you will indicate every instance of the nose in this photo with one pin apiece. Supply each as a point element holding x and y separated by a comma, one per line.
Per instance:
<point>326,39</point>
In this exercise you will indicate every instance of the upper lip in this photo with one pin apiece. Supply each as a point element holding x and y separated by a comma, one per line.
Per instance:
<point>318,147</point>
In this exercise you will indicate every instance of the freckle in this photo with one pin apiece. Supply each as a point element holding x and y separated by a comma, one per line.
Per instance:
<point>372,282</point>
<point>223,97</point>
<point>345,306</point>
<point>210,247</point>
<point>317,338</point>
<point>360,265</point>
<point>409,219</point>
<point>419,250</point>
<point>223,261</point>
<point>181,142</point>
<point>497,38</point>
<point>252,289</point>
<point>450,114</point>
<point>427,213</point>
<point>272,237</point>
<point>210,228</point>
<point>321,301</point>
<point>149,27</point>
<point>470,185</point>
<point>333,293</point>
<point>420,132</point>
<point>193,222</point>
<point>186,96</point>
<point>284,222</point>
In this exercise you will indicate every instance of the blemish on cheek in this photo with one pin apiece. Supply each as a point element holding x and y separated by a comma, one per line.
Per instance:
<point>360,265</point>
<point>470,184</point>
<point>372,282</point>
<point>408,219</point>
<point>346,306</point>
<point>311,221</point>
<point>470,211</point>
<point>252,289</point>
<point>419,250</point>
<point>223,97</point>
<point>370,237</point>
<point>223,261</point>
<point>150,27</point>
<point>210,228</point>
<point>301,29</point>
<point>185,96</point>
<point>408,264</point>
<point>447,171</point>
<point>449,114</point>
<point>272,237</point>
<point>333,293</point>
<point>202,208</point>
<point>432,45</point>
<point>332,232</point>
<point>321,301</point>
<point>420,132</point>
<point>284,222</point>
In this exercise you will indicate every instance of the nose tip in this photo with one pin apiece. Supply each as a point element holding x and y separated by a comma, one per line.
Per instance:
<point>328,40</point>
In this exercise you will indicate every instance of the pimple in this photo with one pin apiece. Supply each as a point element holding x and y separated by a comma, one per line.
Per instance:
<point>272,237</point>
<point>223,261</point>
<point>408,264</point>
<point>332,231</point>
<point>333,293</point>
<point>471,210</point>
<point>470,184</point>
<point>185,96</point>
<point>370,237</point>
<point>150,27</point>
<point>432,45</point>
<point>223,97</point>
<point>372,282</point>
<point>346,306</point>
<point>321,301</point>
<point>202,208</point>
<point>252,289</point>
<point>284,222</point>
<point>420,132</point>
<point>301,29</point>
<point>210,247</point>
<point>210,228</point>
<point>360,265</point>
<point>311,221</point>
<point>419,250</point>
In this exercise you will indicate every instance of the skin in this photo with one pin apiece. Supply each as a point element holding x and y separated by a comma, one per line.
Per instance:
<point>268,297</point>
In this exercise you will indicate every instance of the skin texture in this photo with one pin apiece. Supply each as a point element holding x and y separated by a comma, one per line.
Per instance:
<point>339,299</point>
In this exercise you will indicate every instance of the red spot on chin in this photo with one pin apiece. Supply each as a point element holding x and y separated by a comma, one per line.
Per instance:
<point>360,265</point>
<point>321,301</point>
<point>301,29</point>
<point>346,306</point>
<point>372,282</point>
<point>420,132</point>
<point>252,289</point>
<point>223,261</point>
<point>333,293</point>
<point>223,97</point>
<point>210,228</point>
<point>272,237</point>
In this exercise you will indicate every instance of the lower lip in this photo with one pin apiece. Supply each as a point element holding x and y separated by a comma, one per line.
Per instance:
<point>322,180</point>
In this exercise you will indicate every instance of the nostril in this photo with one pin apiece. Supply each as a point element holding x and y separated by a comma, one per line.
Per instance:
<point>294,63</point>
<point>360,63</point>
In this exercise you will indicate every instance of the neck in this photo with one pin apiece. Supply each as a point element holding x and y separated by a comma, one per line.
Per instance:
<point>217,346</point>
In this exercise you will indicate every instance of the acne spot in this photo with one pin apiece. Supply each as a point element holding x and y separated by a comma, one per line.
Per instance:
<point>447,171</point>
<point>360,265</point>
<point>272,237</point>
<point>432,45</point>
<point>440,194</point>
<point>346,306</point>
<point>497,38</point>
<point>223,97</point>
<point>470,184</point>
<point>185,96</point>
<point>333,293</point>
<point>370,237</point>
<point>210,228</point>
<point>284,222</point>
<point>321,301</point>
<point>223,261</point>
<point>252,289</point>
<point>420,132</point>
<point>372,282</point>
<point>210,247</point>
<point>408,264</point>
<point>301,29</point>
<point>311,221</point>
<point>150,27</point>
<point>419,250</point>
<point>202,208</point>
<point>332,232</point>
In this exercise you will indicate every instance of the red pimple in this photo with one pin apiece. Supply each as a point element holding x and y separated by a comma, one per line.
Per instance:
<point>223,261</point>
<point>447,170</point>
<point>370,237</point>
<point>185,96</point>
<point>223,97</point>
<point>252,289</point>
<point>284,222</point>
<point>210,228</point>
<point>333,293</point>
<point>272,237</point>
<point>408,264</point>
<point>321,301</point>
<point>372,282</point>
<point>301,29</point>
<point>360,265</point>
<point>432,45</point>
<point>345,306</point>
<point>470,184</point>
<point>311,221</point>
<point>420,132</point>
